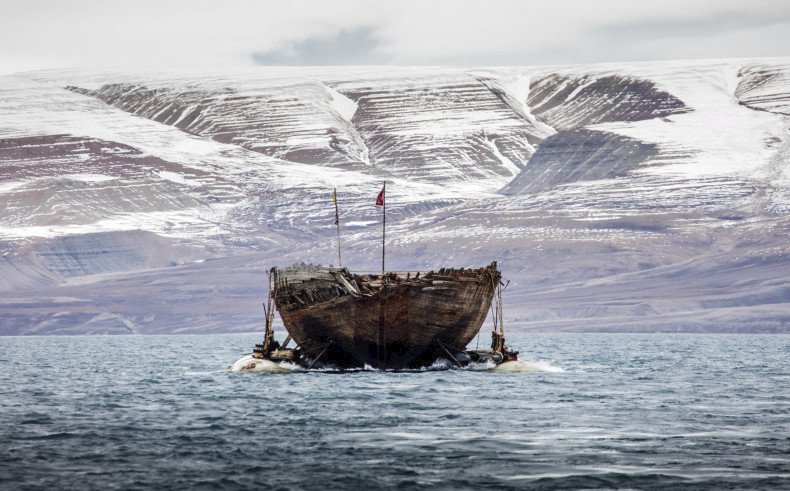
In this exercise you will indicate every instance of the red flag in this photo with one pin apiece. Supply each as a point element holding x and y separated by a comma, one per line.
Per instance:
<point>380,198</point>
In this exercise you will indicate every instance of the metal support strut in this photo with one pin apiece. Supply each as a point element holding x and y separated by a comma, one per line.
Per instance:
<point>452,358</point>
<point>318,357</point>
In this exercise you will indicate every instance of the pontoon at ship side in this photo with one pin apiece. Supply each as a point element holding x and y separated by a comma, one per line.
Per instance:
<point>390,321</point>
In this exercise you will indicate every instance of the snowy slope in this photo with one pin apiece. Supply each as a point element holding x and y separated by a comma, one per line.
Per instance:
<point>615,197</point>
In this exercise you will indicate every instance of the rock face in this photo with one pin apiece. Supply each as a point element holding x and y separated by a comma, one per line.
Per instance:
<point>647,196</point>
<point>301,122</point>
<point>432,129</point>
<point>571,101</point>
<point>764,87</point>
<point>580,155</point>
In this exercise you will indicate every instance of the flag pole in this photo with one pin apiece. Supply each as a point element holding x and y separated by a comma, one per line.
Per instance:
<point>383,227</point>
<point>337,222</point>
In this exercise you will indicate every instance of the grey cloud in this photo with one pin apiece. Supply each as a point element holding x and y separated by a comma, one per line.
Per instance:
<point>712,36</point>
<point>357,46</point>
<point>717,24</point>
<point>99,34</point>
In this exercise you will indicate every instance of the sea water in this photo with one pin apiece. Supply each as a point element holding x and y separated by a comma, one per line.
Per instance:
<point>581,411</point>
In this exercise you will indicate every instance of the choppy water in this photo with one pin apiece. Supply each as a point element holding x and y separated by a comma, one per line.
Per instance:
<point>594,411</point>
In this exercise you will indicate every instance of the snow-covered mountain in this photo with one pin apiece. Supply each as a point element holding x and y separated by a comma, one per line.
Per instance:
<point>650,196</point>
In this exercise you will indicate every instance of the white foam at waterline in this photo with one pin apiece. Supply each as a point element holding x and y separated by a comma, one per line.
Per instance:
<point>528,366</point>
<point>488,365</point>
<point>250,364</point>
<point>256,365</point>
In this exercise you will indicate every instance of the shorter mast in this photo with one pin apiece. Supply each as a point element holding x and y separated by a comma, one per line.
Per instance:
<point>337,223</point>
<point>268,336</point>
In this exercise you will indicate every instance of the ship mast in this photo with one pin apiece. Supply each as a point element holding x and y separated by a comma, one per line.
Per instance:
<point>383,225</point>
<point>269,345</point>
<point>337,222</point>
<point>381,352</point>
<point>268,336</point>
<point>498,333</point>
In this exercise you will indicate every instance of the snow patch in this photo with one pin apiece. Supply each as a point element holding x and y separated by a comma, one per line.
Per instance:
<point>506,162</point>
<point>344,106</point>
<point>88,177</point>
<point>578,89</point>
<point>9,186</point>
<point>177,178</point>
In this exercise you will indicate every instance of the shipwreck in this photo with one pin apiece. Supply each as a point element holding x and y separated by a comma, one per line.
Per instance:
<point>386,320</point>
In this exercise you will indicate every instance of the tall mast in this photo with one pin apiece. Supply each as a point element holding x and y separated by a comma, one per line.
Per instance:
<point>383,225</point>
<point>381,352</point>
<point>337,222</point>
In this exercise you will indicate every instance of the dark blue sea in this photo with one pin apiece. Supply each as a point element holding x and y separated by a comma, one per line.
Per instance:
<point>587,411</point>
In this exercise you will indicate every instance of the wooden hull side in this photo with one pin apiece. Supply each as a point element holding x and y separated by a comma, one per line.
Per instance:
<point>417,320</point>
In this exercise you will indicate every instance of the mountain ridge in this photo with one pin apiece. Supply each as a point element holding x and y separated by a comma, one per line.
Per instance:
<point>162,186</point>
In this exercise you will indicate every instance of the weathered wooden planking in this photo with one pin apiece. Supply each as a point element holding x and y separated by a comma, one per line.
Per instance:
<point>320,309</point>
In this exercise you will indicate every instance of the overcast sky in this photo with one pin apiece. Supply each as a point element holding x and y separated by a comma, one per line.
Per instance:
<point>203,34</point>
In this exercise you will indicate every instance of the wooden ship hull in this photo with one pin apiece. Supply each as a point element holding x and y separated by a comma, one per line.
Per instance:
<point>391,321</point>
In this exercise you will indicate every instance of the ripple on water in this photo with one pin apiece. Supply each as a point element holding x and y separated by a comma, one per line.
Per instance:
<point>582,413</point>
